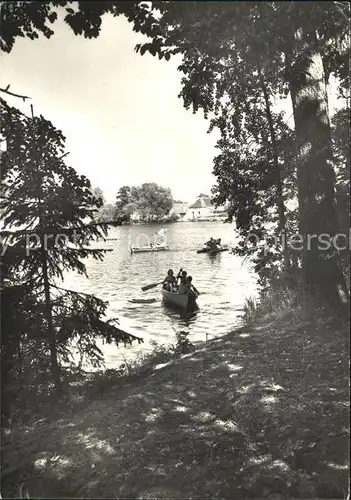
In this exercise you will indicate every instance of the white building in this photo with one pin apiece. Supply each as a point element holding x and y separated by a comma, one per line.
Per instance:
<point>204,210</point>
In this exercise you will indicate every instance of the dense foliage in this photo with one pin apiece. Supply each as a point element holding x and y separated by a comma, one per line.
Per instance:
<point>148,202</point>
<point>98,193</point>
<point>340,138</point>
<point>229,67</point>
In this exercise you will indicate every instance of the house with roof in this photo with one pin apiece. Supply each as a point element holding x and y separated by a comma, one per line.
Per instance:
<point>204,210</point>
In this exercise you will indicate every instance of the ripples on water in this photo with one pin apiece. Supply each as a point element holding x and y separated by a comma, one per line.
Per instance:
<point>223,281</point>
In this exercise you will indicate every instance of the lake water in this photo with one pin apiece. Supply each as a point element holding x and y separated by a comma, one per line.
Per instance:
<point>223,280</point>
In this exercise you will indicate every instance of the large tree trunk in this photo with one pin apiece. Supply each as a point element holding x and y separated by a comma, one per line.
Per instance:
<point>55,368</point>
<point>7,363</point>
<point>322,276</point>
<point>11,356</point>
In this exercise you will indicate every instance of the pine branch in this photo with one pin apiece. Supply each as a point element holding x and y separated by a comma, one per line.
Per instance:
<point>73,292</point>
<point>10,108</point>
<point>51,231</point>
<point>65,154</point>
<point>103,324</point>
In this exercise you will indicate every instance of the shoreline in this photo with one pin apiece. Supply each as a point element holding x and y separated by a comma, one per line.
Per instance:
<point>260,412</point>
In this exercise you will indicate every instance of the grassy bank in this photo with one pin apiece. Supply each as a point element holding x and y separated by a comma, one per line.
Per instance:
<point>260,413</point>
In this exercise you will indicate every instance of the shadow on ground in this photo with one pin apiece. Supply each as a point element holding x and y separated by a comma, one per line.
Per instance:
<point>260,413</point>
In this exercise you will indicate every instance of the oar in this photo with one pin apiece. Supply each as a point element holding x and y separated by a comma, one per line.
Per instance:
<point>148,287</point>
<point>142,301</point>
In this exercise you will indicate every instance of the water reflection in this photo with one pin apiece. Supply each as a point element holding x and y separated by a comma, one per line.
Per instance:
<point>184,316</point>
<point>215,259</point>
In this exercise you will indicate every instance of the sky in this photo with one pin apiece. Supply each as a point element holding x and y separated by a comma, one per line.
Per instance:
<point>119,111</point>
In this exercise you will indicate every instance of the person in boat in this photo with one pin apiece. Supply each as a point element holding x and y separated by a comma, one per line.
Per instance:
<point>182,275</point>
<point>211,244</point>
<point>159,238</point>
<point>190,287</point>
<point>170,281</point>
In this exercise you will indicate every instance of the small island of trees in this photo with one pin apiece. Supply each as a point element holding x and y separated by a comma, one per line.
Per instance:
<point>148,202</point>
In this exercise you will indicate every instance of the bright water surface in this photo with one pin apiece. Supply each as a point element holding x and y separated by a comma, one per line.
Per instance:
<point>223,280</point>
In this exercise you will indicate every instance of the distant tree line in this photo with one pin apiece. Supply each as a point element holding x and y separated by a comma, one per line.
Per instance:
<point>148,202</point>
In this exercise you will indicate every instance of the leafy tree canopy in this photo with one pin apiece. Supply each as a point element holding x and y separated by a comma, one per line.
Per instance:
<point>149,200</point>
<point>200,29</point>
<point>98,193</point>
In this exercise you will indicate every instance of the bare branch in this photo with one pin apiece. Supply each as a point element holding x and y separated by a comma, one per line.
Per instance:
<point>6,91</point>
<point>65,154</point>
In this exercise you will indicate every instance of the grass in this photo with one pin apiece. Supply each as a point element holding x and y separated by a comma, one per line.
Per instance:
<point>267,305</point>
<point>37,400</point>
<point>260,413</point>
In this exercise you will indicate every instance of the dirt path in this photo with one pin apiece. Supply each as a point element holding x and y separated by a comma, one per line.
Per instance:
<point>260,413</point>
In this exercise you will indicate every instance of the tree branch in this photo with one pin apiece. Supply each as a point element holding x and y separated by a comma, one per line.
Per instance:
<point>337,5</point>
<point>6,91</point>
<point>65,154</point>
<point>73,292</point>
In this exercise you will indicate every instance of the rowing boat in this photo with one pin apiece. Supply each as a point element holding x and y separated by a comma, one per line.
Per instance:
<point>158,248</point>
<point>179,299</point>
<point>213,251</point>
